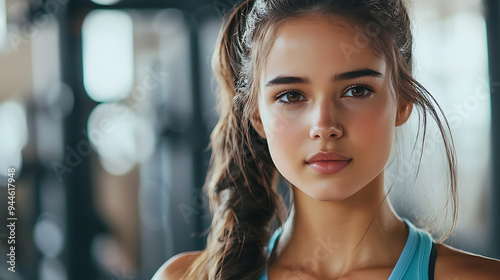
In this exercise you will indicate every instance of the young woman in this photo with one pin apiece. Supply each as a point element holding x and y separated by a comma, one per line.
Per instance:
<point>312,91</point>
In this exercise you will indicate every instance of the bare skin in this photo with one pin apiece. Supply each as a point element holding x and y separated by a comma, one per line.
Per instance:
<point>346,210</point>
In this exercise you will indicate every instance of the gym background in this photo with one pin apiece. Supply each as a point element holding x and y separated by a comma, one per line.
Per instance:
<point>106,107</point>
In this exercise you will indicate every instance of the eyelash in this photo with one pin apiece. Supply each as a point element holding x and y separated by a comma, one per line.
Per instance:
<point>364,86</point>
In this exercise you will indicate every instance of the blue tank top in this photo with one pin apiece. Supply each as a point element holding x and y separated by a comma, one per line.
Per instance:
<point>416,261</point>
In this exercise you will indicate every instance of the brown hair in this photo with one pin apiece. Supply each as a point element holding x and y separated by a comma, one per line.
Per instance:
<point>241,181</point>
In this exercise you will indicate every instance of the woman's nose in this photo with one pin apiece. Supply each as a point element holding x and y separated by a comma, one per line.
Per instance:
<point>326,121</point>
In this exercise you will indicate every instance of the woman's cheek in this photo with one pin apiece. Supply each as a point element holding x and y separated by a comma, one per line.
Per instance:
<point>281,123</point>
<point>373,130</point>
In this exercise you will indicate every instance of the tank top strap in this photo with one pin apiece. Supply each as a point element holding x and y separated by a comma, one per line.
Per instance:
<point>270,248</point>
<point>272,241</point>
<point>414,261</point>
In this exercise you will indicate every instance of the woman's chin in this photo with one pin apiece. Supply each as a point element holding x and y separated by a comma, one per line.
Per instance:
<point>332,193</point>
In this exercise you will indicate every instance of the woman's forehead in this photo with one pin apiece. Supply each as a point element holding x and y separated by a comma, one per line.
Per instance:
<point>319,46</point>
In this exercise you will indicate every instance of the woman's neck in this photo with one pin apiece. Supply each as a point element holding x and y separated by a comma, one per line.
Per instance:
<point>332,239</point>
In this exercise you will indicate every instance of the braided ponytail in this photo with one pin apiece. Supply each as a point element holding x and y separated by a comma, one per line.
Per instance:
<point>241,180</point>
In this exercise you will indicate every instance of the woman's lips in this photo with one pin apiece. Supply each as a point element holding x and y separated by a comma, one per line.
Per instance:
<point>329,166</point>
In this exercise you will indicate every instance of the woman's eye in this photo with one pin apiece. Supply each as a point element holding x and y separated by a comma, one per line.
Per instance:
<point>290,97</point>
<point>359,91</point>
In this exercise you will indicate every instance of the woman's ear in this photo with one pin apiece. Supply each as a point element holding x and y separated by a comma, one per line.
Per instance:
<point>404,111</point>
<point>257,125</point>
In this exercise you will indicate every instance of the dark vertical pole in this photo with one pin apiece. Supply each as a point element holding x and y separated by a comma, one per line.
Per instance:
<point>81,221</point>
<point>38,172</point>
<point>492,8</point>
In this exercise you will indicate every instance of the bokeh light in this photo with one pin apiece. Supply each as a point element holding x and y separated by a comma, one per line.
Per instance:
<point>121,137</point>
<point>106,2</point>
<point>52,269</point>
<point>108,55</point>
<point>48,236</point>
<point>14,135</point>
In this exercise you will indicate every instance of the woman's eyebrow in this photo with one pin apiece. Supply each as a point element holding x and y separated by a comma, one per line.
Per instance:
<point>286,80</point>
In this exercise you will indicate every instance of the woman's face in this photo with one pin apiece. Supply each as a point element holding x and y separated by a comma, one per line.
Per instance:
<point>338,98</point>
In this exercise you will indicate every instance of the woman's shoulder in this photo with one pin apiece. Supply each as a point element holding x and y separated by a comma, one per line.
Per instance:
<point>176,266</point>
<point>452,263</point>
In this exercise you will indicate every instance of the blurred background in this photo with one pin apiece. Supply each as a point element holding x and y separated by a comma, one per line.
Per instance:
<point>106,107</point>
